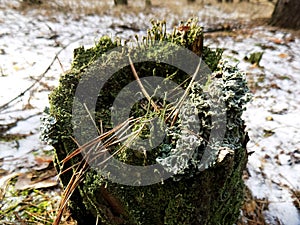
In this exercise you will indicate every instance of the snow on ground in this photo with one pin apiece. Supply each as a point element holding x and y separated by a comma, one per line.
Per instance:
<point>29,42</point>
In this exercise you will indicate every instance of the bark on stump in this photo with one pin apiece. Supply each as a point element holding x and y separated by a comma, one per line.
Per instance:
<point>209,192</point>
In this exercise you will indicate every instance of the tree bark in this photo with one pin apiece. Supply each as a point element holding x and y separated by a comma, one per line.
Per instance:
<point>148,2</point>
<point>121,2</point>
<point>286,14</point>
<point>32,2</point>
<point>225,1</point>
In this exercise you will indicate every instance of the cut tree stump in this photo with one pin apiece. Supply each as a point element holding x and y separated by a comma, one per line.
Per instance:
<point>198,184</point>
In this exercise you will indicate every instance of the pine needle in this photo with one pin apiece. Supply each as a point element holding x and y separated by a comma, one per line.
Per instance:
<point>141,85</point>
<point>177,107</point>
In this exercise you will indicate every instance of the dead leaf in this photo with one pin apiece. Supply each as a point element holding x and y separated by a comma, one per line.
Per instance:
<point>25,182</point>
<point>283,55</point>
<point>268,133</point>
<point>250,206</point>
<point>253,66</point>
<point>275,86</point>
<point>277,41</point>
<point>269,118</point>
<point>42,162</point>
<point>43,159</point>
<point>44,174</point>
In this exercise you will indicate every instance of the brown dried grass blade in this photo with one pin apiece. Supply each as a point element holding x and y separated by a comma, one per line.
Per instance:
<point>95,140</point>
<point>82,166</point>
<point>145,93</point>
<point>177,107</point>
<point>74,181</point>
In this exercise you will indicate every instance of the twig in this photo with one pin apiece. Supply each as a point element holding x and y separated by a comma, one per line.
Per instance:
<point>60,64</point>
<point>22,222</point>
<point>40,77</point>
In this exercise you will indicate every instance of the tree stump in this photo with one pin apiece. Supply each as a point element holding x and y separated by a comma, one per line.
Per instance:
<point>194,173</point>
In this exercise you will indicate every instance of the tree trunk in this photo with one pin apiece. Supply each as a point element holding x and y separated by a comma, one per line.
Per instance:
<point>121,2</point>
<point>32,2</point>
<point>226,1</point>
<point>148,3</point>
<point>286,14</point>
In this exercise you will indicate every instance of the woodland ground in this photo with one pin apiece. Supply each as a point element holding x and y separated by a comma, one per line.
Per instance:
<point>34,37</point>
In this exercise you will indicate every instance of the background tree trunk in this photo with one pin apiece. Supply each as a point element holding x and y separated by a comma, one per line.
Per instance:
<point>32,2</point>
<point>121,2</point>
<point>225,0</point>
<point>286,14</point>
<point>148,2</point>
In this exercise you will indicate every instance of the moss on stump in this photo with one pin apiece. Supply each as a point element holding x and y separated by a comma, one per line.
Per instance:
<point>198,192</point>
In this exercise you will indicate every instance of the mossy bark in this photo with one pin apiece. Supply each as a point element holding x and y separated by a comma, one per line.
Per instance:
<point>193,196</point>
<point>212,197</point>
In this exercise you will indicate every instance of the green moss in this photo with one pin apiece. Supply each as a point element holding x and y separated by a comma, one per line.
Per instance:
<point>254,58</point>
<point>84,57</point>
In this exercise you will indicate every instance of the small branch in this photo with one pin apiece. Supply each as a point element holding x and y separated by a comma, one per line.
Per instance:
<point>40,77</point>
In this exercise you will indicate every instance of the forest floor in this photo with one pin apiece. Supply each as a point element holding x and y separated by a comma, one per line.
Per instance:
<point>36,46</point>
